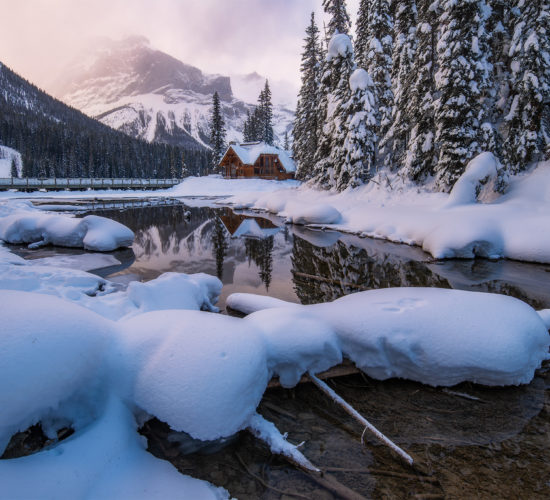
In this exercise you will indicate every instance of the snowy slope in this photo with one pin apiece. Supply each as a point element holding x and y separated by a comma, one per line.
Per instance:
<point>6,157</point>
<point>148,94</point>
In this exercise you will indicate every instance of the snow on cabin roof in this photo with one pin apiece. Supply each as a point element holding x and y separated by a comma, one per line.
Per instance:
<point>249,152</point>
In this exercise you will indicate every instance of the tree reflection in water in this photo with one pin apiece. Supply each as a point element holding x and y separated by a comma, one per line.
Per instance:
<point>298,264</point>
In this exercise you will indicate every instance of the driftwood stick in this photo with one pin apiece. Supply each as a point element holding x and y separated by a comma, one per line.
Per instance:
<point>368,426</point>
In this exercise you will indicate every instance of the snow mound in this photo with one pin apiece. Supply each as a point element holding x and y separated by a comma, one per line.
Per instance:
<point>297,342</point>
<point>339,46</point>
<point>434,336</point>
<point>22,223</point>
<point>439,336</point>
<point>106,460</point>
<point>479,171</point>
<point>51,350</point>
<point>249,302</point>
<point>299,213</point>
<point>201,373</point>
<point>176,291</point>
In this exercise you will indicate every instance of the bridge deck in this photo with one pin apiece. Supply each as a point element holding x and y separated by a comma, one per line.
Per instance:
<point>79,184</point>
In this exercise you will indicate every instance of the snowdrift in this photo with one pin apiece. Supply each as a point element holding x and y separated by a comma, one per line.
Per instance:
<point>20,222</point>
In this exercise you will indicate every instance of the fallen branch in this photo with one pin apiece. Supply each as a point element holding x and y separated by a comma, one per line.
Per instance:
<point>368,426</point>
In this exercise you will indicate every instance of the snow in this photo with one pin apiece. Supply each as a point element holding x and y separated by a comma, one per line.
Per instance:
<point>435,336</point>
<point>359,80</point>
<point>106,460</point>
<point>84,262</point>
<point>6,157</point>
<point>201,373</point>
<point>248,303</point>
<point>339,46</point>
<point>62,347</point>
<point>302,213</point>
<point>513,225</point>
<point>77,351</point>
<point>20,222</point>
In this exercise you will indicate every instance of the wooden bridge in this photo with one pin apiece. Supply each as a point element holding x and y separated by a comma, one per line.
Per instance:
<point>82,184</point>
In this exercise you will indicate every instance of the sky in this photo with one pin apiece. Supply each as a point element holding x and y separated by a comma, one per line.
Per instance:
<point>39,38</point>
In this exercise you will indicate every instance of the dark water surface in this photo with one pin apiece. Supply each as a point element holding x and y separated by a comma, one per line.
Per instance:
<point>252,253</point>
<point>468,442</point>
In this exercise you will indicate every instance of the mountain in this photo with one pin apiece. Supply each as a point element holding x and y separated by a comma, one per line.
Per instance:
<point>57,140</point>
<point>149,94</point>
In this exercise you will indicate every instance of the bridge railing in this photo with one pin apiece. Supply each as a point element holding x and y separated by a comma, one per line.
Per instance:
<point>77,183</point>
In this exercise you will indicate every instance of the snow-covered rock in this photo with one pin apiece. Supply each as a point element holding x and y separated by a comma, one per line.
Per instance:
<point>20,222</point>
<point>202,373</point>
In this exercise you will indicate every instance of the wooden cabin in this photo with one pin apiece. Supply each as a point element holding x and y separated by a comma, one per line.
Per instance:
<point>257,160</point>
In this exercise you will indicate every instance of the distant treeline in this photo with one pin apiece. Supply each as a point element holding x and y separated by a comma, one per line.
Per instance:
<point>56,140</point>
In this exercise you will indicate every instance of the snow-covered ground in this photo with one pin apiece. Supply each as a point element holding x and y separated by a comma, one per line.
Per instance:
<point>456,225</point>
<point>7,155</point>
<point>77,351</point>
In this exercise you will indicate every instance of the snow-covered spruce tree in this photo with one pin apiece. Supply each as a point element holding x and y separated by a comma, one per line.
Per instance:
<point>403,79</point>
<point>420,157</point>
<point>363,33</point>
<point>217,133</point>
<point>527,138</point>
<point>339,17</point>
<point>286,144</point>
<point>377,60</point>
<point>360,140</point>
<point>335,94</point>
<point>458,83</point>
<point>305,121</point>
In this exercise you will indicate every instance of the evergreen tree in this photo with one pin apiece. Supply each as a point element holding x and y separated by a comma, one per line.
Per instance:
<point>217,132</point>
<point>334,94</point>
<point>363,33</point>
<point>458,82</point>
<point>265,115</point>
<point>404,49</point>
<point>13,170</point>
<point>220,246</point>
<point>377,60</point>
<point>305,136</point>
<point>339,17</point>
<point>421,154</point>
<point>360,140</point>
<point>527,119</point>
<point>286,145</point>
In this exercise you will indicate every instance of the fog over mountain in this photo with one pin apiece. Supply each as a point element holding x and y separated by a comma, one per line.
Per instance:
<point>146,93</point>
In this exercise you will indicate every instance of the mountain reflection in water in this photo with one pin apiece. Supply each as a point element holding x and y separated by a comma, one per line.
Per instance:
<point>262,255</point>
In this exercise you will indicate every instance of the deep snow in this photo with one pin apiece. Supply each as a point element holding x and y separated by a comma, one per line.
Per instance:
<point>77,351</point>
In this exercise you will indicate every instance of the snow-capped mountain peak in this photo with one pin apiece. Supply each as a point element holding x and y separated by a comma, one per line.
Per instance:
<point>131,86</point>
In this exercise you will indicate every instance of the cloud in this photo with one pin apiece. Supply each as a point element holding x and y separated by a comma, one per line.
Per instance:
<point>39,37</point>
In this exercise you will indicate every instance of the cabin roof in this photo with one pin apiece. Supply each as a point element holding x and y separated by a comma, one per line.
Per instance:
<point>249,152</point>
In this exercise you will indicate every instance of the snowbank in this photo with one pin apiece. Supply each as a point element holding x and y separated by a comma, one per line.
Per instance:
<point>106,460</point>
<point>51,350</point>
<point>434,336</point>
<point>514,225</point>
<point>20,222</point>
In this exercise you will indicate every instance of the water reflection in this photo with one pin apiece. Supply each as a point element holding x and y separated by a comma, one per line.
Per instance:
<point>261,255</point>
